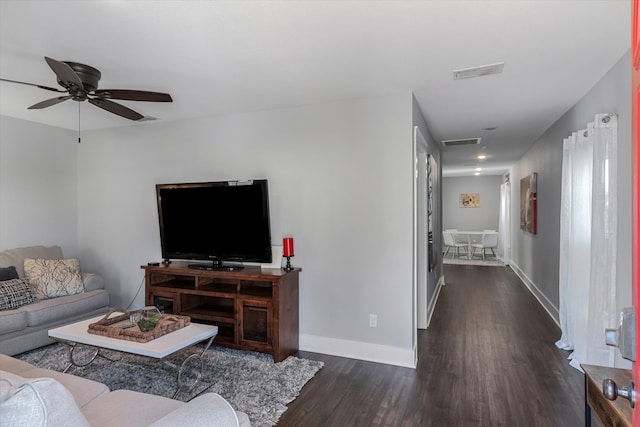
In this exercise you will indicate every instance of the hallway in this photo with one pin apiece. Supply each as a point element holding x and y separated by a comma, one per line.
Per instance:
<point>496,345</point>
<point>487,359</point>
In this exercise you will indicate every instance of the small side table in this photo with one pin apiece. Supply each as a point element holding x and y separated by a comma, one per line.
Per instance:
<point>615,413</point>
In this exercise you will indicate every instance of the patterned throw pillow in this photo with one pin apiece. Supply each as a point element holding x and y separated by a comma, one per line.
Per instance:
<point>15,293</point>
<point>8,273</point>
<point>52,278</point>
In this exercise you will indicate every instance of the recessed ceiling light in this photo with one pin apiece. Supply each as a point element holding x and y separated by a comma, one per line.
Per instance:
<point>481,156</point>
<point>482,70</point>
<point>478,169</point>
<point>477,173</point>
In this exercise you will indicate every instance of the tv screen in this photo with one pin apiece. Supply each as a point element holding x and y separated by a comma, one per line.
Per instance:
<point>217,221</point>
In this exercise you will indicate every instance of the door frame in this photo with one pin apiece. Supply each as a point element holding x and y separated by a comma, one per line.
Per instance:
<point>420,230</point>
<point>635,184</point>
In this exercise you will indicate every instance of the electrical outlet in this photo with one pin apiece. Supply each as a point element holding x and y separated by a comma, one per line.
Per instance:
<point>373,320</point>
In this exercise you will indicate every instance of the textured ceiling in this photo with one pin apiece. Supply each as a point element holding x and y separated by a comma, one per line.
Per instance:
<point>225,57</point>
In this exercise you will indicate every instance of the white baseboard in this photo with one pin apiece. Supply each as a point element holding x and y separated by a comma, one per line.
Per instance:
<point>399,356</point>
<point>359,350</point>
<point>434,300</point>
<point>548,306</point>
<point>367,351</point>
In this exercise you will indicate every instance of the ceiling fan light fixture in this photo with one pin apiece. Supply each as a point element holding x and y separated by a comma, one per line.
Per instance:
<point>479,71</point>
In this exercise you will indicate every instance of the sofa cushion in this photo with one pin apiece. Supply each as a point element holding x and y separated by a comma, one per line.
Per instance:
<point>37,402</point>
<point>61,308</point>
<point>92,281</point>
<point>52,278</point>
<point>8,273</point>
<point>16,256</point>
<point>13,320</point>
<point>133,409</point>
<point>82,389</point>
<point>15,293</point>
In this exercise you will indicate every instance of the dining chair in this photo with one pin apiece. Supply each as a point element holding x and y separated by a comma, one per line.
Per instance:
<point>489,241</point>
<point>464,242</point>
<point>450,242</point>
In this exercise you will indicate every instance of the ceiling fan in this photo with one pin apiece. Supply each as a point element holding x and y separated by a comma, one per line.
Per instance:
<point>80,83</point>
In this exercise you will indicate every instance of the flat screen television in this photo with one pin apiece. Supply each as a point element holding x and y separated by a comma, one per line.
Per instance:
<point>225,222</point>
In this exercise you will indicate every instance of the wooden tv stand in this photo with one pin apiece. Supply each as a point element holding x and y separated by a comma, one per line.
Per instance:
<point>255,309</point>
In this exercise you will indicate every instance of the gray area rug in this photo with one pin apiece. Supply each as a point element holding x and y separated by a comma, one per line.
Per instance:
<point>250,381</point>
<point>496,262</point>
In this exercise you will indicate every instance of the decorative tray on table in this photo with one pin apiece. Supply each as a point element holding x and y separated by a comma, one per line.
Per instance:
<point>122,327</point>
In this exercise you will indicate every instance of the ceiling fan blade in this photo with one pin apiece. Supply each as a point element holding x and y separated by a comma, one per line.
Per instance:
<point>49,102</point>
<point>116,108</point>
<point>133,95</point>
<point>66,75</point>
<point>33,84</point>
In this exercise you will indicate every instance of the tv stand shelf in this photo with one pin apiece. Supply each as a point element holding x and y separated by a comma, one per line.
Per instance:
<point>255,309</point>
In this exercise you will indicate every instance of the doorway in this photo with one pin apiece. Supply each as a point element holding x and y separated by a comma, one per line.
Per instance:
<point>421,232</point>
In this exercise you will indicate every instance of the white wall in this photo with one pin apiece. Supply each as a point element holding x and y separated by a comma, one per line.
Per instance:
<point>38,193</point>
<point>485,217</point>
<point>436,276</point>
<point>536,258</point>
<point>340,178</point>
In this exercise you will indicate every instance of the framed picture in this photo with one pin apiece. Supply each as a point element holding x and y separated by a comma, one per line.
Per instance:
<point>432,167</point>
<point>469,200</point>
<point>528,203</point>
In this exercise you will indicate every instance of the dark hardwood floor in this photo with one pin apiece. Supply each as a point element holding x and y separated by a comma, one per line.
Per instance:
<point>487,359</point>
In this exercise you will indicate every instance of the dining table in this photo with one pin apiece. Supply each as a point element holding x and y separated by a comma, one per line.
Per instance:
<point>470,234</point>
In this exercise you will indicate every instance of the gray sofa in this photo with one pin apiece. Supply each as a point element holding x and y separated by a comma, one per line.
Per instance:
<point>32,396</point>
<point>26,327</point>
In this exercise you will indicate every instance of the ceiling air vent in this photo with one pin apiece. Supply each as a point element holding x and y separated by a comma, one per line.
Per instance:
<point>457,142</point>
<point>483,70</point>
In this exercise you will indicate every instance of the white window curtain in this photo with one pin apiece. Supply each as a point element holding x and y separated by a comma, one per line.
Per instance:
<point>504,232</point>
<point>588,242</point>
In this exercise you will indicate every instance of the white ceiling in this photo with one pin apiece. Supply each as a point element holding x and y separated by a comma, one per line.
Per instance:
<point>225,57</point>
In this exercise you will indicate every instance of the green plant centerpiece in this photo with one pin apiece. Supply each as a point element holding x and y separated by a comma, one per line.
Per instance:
<point>148,318</point>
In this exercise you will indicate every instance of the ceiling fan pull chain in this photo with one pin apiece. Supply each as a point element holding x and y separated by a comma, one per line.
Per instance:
<point>79,122</point>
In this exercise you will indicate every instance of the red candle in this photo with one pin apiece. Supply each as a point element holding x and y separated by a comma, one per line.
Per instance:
<point>287,244</point>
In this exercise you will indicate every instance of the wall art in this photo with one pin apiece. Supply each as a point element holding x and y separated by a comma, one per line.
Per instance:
<point>469,200</point>
<point>528,203</point>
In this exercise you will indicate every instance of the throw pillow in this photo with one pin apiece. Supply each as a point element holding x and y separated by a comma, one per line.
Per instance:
<point>37,402</point>
<point>15,293</point>
<point>209,409</point>
<point>52,278</point>
<point>7,273</point>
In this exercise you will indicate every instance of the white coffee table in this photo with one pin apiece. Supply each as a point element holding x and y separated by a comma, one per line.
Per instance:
<point>159,348</point>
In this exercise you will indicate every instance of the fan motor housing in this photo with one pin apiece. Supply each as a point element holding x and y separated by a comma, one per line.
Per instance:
<point>88,75</point>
